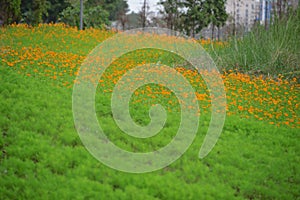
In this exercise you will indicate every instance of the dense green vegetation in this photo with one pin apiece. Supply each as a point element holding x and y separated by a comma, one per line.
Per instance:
<point>191,16</point>
<point>264,52</point>
<point>42,156</point>
<point>96,12</point>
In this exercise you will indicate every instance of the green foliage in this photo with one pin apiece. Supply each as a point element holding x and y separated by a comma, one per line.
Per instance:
<point>10,11</point>
<point>97,12</point>
<point>39,11</point>
<point>39,8</point>
<point>196,17</point>
<point>34,12</point>
<point>171,12</point>
<point>113,7</point>
<point>96,17</point>
<point>42,157</point>
<point>93,16</point>
<point>41,152</point>
<point>70,16</point>
<point>270,52</point>
<point>191,16</point>
<point>218,14</point>
<point>116,8</point>
<point>54,10</point>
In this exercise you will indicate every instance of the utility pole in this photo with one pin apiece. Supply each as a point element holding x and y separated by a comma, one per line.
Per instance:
<point>234,18</point>
<point>144,14</point>
<point>81,14</point>
<point>267,14</point>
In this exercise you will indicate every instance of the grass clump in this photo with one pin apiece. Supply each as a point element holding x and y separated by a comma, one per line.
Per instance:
<point>269,52</point>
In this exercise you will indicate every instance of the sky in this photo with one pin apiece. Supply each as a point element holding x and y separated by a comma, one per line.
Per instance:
<point>136,5</point>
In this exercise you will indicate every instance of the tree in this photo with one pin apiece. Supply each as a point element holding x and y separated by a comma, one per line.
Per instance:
<point>171,13</point>
<point>70,16</point>
<point>217,12</point>
<point>94,15</point>
<point>284,8</point>
<point>116,8</point>
<point>123,19</point>
<point>33,12</point>
<point>54,9</point>
<point>10,11</point>
<point>133,20</point>
<point>196,16</point>
<point>144,14</point>
<point>113,7</point>
<point>121,13</point>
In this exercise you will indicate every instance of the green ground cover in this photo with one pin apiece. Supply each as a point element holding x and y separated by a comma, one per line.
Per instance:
<point>42,156</point>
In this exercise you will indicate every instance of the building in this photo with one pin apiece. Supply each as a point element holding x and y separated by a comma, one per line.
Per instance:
<point>243,13</point>
<point>246,12</point>
<point>269,8</point>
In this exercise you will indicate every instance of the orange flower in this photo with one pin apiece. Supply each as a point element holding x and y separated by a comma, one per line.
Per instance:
<point>240,108</point>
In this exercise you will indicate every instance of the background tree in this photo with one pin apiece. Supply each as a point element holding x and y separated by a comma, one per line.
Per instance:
<point>171,13</point>
<point>94,14</point>
<point>70,16</point>
<point>196,17</point>
<point>217,13</point>
<point>96,17</point>
<point>10,11</point>
<point>97,12</point>
<point>123,19</point>
<point>284,8</point>
<point>113,7</point>
<point>39,8</point>
<point>122,9</point>
<point>133,20</point>
<point>54,9</point>
<point>144,14</point>
<point>34,11</point>
<point>116,8</point>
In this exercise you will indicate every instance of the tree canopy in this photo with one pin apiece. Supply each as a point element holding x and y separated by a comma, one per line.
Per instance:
<point>96,12</point>
<point>191,16</point>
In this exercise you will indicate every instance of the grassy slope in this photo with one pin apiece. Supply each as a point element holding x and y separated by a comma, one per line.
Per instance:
<point>272,52</point>
<point>42,156</point>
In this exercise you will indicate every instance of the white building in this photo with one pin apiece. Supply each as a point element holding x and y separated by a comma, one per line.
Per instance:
<point>243,12</point>
<point>247,12</point>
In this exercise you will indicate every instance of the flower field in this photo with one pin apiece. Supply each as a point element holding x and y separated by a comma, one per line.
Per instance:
<point>42,156</point>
